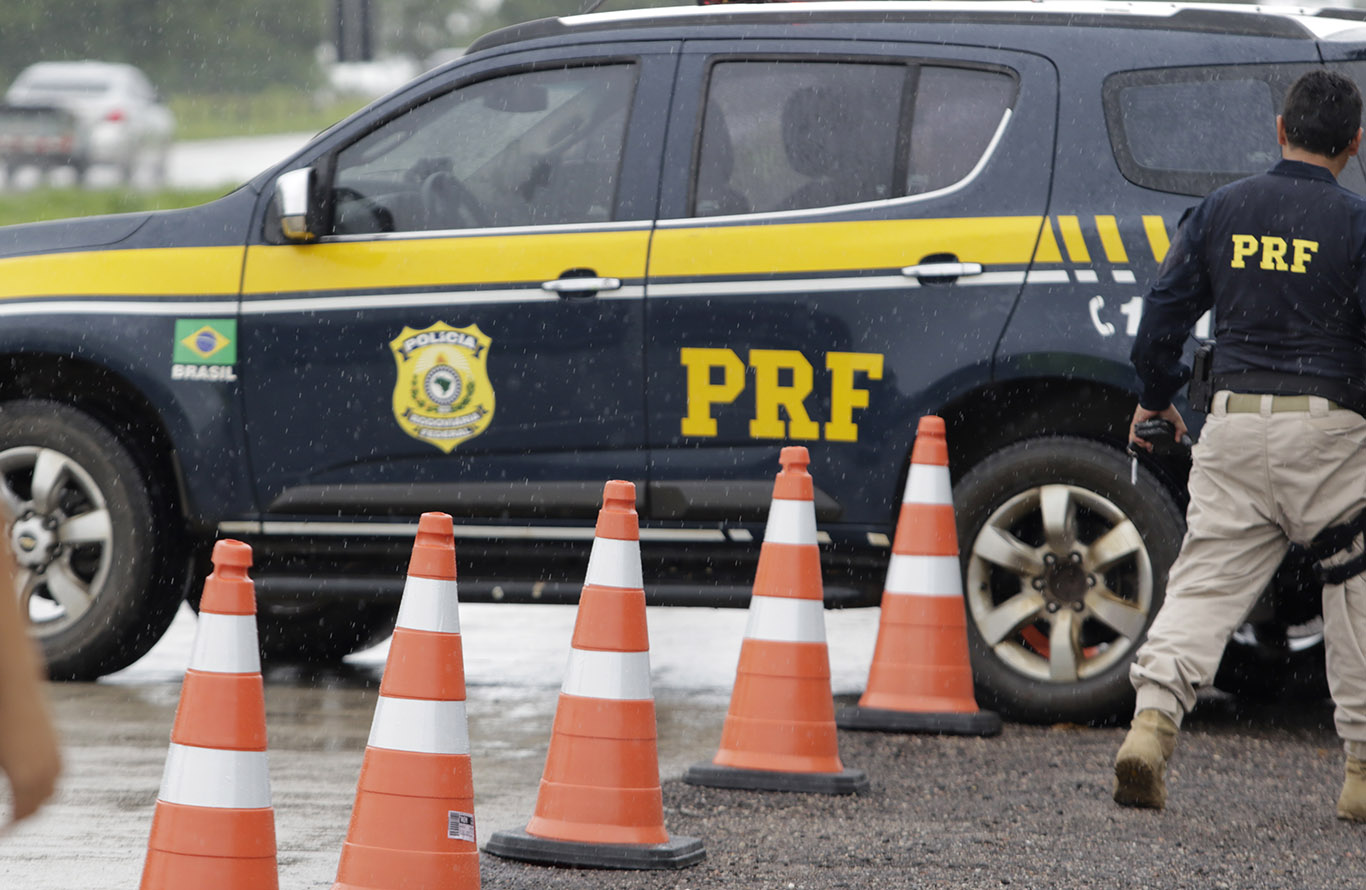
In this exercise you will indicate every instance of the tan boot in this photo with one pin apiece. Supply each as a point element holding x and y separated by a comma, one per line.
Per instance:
<point>1352,801</point>
<point>1141,764</point>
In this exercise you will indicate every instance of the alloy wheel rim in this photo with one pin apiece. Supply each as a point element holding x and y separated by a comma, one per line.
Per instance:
<point>1059,583</point>
<point>62,536</point>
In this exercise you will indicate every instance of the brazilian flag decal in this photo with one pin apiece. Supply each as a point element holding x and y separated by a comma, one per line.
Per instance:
<point>205,341</point>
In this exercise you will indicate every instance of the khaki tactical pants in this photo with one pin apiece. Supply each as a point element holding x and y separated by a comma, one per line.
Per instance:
<point>1260,481</point>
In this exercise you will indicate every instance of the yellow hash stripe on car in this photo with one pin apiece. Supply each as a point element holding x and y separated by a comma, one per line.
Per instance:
<point>1048,251</point>
<point>1157,236</point>
<point>441,262</point>
<point>822,247</point>
<point>1073,239</point>
<point>154,272</point>
<point>1110,240</point>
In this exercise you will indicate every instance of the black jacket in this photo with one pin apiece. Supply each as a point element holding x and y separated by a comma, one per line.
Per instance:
<point>1281,258</point>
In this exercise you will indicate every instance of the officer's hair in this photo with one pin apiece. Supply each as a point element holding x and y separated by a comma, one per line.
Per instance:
<point>1322,112</point>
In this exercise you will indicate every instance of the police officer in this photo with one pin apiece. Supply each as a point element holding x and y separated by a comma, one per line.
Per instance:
<point>1281,259</point>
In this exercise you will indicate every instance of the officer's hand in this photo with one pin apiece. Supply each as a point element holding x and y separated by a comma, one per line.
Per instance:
<point>1169,414</point>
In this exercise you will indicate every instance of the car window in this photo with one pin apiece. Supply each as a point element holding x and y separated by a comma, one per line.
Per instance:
<point>1192,130</point>
<point>957,112</point>
<point>789,135</point>
<point>531,148</point>
<point>1239,120</point>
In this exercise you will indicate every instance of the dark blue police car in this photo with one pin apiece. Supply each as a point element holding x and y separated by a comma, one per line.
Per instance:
<point>657,245</point>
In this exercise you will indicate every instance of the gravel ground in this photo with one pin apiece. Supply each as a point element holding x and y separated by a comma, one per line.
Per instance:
<point>1252,787</point>
<point>1252,791</point>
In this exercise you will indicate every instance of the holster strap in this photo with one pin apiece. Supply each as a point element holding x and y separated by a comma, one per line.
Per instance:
<point>1337,539</point>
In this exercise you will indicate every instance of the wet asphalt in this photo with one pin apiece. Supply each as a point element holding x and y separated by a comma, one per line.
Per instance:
<point>1252,786</point>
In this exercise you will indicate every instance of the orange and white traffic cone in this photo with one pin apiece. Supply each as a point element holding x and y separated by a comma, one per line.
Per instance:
<point>779,733</point>
<point>600,804</point>
<point>214,827</point>
<point>921,676</point>
<point>412,826</point>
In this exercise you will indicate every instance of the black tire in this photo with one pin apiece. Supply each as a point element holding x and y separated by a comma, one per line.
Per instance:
<point>1024,589</point>
<point>94,542</point>
<point>321,632</point>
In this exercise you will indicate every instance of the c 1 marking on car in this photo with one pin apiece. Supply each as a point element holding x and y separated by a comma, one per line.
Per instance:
<point>1132,309</point>
<point>204,349</point>
<point>770,394</point>
<point>443,395</point>
<point>460,826</point>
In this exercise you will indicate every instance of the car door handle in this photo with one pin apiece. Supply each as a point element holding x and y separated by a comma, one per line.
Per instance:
<point>942,270</point>
<point>574,285</point>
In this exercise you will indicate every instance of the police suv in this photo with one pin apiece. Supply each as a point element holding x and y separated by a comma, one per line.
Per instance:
<point>657,245</point>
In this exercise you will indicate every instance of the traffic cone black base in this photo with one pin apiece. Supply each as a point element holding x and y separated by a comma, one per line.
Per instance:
<point>847,781</point>
<point>979,723</point>
<point>677,852</point>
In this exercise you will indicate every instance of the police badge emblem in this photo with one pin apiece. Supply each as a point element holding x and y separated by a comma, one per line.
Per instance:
<point>443,395</point>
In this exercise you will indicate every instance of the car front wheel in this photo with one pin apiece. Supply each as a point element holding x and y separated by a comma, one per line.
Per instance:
<point>93,550</point>
<point>1065,561</point>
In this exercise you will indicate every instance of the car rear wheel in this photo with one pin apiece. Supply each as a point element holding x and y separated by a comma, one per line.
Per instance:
<point>94,551</point>
<point>1065,564</point>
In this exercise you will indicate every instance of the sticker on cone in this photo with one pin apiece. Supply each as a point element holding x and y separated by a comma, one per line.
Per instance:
<point>412,826</point>
<point>921,676</point>
<point>213,826</point>
<point>600,803</point>
<point>779,733</point>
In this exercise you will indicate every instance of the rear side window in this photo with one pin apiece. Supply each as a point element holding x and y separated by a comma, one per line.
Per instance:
<point>1192,130</point>
<point>789,135</point>
<point>1236,116</point>
<point>957,113</point>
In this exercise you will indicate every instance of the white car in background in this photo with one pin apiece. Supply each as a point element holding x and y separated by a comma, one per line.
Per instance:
<point>121,119</point>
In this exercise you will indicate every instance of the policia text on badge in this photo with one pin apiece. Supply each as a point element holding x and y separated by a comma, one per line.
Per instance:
<point>771,392</point>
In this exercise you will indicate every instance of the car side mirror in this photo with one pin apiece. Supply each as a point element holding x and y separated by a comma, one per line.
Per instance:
<point>294,198</point>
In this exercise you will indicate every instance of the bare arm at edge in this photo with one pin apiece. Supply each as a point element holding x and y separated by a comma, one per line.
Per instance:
<point>29,755</point>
